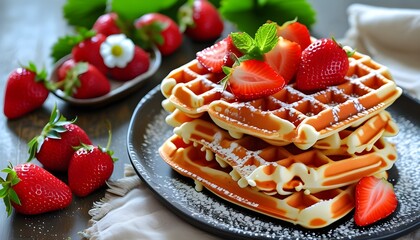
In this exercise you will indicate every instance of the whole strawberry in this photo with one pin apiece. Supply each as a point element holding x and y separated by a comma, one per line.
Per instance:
<point>107,24</point>
<point>54,146</point>
<point>323,63</point>
<point>88,50</point>
<point>82,80</point>
<point>139,64</point>
<point>26,90</point>
<point>30,190</point>
<point>160,30</point>
<point>201,21</point>
<point>90,167</point>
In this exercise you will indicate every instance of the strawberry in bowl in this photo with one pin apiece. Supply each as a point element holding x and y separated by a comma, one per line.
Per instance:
<point>115,64</point>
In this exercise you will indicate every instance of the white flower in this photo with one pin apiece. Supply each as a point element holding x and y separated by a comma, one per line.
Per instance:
<point>117,50</point>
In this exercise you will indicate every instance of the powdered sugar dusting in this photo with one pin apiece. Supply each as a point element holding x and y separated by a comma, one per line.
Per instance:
<point>236,222</point>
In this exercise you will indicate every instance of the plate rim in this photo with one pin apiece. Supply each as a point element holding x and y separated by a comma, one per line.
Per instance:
<point>179,210</point>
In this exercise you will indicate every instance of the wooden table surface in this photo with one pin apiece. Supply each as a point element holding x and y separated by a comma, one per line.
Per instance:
<point>28,29</point>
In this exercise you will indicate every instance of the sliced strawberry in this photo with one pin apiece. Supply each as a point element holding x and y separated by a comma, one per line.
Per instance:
<point>284,58</point>
<point>254,79</point>
<point>296,32</point>
<point>216,56</point>
<point>375,200</point>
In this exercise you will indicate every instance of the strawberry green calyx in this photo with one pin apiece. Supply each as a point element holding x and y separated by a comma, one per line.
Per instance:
<point>107,150</point>
<point>349,52</point>
<point>254,48</point>
<point>6,192</point>
<point>287,23</point>
<point>108,144</point>
<point>185,15</point>
<point>151,34</point>
<point>72,81</point>
<point>41,75</point>
<point>52,130</point>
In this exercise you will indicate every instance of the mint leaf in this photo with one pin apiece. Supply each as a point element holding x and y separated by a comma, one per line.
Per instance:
<point>266,37</point>
<point>242,41</point>
<point>248,15</point>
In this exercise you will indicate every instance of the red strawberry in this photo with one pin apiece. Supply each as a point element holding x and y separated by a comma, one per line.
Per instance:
<point>218,55</point>
<point>90,167</point>
<point>296,32</point>
<point>323,63</point>
<point>54,146</point>
<point>284,58</point>
<point>26,90</point>
<point>253,79</point>
<point>375,200</point>
<point>138,65</point>
<point>88,51</point>
<point>160,30</point>
<point>201,20</point>
<point>82,80</point>
<point>31,190</point>
<point>107,24</point>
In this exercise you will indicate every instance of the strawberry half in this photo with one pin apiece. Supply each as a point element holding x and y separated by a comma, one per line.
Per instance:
<point>375,200</point>
<point>213,58</point>
<point>253,79</point>
<point>284,58</point>
<point>296,32</point>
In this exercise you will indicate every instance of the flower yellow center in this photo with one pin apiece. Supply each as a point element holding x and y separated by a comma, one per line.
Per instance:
<point>117,50</point>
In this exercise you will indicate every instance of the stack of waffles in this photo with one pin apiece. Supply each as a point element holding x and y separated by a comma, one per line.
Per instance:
<point>291,155</point>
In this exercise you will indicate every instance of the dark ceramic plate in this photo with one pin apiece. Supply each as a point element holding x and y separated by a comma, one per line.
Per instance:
<point>118,89</point>
<point>148,130</point>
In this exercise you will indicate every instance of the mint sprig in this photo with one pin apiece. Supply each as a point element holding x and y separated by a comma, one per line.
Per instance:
<point>254,48</point>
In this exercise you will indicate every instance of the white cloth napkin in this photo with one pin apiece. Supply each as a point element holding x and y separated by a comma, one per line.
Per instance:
<point>130,211</point>
<point>391,36</point>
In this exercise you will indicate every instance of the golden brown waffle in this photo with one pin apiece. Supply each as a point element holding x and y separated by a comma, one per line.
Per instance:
<point>357,138</point>
<point>287,169</point>
<point>289,115</point>
<point>314,210</point>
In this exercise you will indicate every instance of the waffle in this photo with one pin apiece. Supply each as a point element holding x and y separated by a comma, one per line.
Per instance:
<point>289,115</point>
<point>310,210</point>
<point>287,169</point>
<point>356,138</point>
